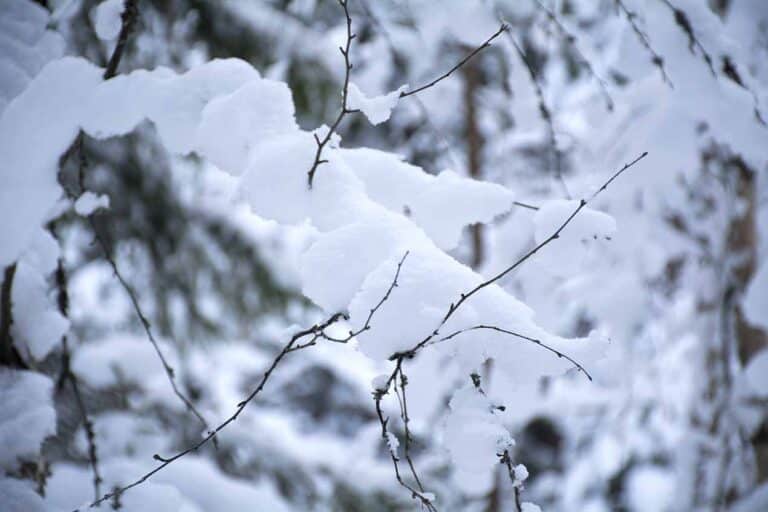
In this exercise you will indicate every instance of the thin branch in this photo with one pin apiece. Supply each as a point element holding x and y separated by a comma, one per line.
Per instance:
<point>487,43</point>
<point>68,375</point>
<point>169,371</point>
<point>656,59</point>
<point>538,342</point>
<point>166,461</point>
<point>378,395</point>
<point>682,21</point>
<point>321,143</point>
<point>571,39</point>
<point>7,351</point>
<point>129,17</point>
<point>546,115</point>
<point>506,459</point>
<point>554,236</point>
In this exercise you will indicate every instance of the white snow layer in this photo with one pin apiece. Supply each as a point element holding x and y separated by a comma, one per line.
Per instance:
<point>376,108</point>
<point>106,19</point>
<point>89,202</point>
<point>27,416</point>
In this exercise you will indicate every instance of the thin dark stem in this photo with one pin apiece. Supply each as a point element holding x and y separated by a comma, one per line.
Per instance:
<point>516,335</point>
<point>169,371</point>
<point>554,236</point>
<point>546,115</point>
<point>645,41</point>
<point>166,461</point>
<point>571,39</point>
<point>483,46</point>
<point>67,375</point>
<point>321,143</point>
<point>8,354</point>
<point>129,17</point>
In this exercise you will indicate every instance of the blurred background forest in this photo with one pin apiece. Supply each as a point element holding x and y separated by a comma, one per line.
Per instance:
<point>677,418</point>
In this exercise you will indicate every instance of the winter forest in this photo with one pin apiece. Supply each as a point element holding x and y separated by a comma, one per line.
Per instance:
<point>384,255</point>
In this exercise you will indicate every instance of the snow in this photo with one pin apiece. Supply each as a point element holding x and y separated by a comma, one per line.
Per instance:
<point>757,372</point>
<point>27,416</point>
<point>392,443</point>
<point>89,202</point>
<point>474,436</point>
<point>442,206</point>
<point>527,506</point>
<point>650,489</point>
<point>38,326</point>
<point>106,19</point>
<point>48,110</point>
<point>173,102</point>
<point>376,108</point>
<point>19,496</point>
<point>233,125</point>
<point>755,302</point>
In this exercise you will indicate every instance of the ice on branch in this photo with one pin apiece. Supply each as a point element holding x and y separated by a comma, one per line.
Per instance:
<point>106,19</point>
<point>89,202</point>
<point>376,108</point>
<point>27,416</point>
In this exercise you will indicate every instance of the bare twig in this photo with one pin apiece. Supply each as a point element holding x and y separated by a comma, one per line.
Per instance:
<point>166,461</point>
<point>129,16</point>
<point>8,354</point>
<point>516,335</point>
<point>67,375</point>
<point>483,46</point>
<point>656,59</point>
<point>321,143</point>
<point>571,39</point>
<point>546,115</point>
<point>378,395</point>
<point>682,21</point>
<point>344,110</point>
<point>554,236</point>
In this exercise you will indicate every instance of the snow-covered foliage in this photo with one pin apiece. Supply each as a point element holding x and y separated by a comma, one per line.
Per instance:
<point>560,236</point>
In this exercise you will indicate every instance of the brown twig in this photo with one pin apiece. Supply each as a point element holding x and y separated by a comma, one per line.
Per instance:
<point>166,461</point>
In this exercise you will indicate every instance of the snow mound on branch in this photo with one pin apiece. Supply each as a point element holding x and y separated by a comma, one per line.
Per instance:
<point>27,416</point>
<point>25,46</point>
<point>234,124</point>
<point>442,206</point>
<point>473,434</point>
<point>376,108</point>
<point>106,19</point>
<point>37,324</point>
<point>173,102</point>
<point>48,110</point>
